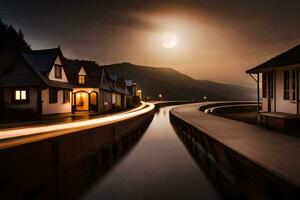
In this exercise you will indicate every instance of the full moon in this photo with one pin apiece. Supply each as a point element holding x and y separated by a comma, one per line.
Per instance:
<point>168,40</point>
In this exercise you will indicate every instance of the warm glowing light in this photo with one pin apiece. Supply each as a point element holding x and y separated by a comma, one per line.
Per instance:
<point>80,125</point>
<point>168,40</point>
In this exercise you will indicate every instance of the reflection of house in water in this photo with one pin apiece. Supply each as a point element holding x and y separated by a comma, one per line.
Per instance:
<point>280,95</point>
<point>43,82</point>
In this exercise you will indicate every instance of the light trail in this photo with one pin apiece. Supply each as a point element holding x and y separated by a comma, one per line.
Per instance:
<point>209,110</point>
<point>86,124</point>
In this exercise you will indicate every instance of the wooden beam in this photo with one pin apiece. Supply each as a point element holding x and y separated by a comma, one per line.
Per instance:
<point>274,90</point>
<point>253,77</point>
<point>297,89</point>
<point>258,97</point>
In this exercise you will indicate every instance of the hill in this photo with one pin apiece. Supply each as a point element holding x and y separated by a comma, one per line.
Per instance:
<point>174,85</point>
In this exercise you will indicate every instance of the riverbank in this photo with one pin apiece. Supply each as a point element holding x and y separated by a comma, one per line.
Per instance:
<point>246,114</point>
<point>60,161</point>
<point>261,163</point>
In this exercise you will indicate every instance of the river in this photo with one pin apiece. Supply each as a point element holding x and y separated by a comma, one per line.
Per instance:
<point>158,167</point>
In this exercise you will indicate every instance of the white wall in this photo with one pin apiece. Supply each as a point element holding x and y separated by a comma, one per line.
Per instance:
<point>55,108</point>
<point>113,98</point>
<point>33,98</point>
<point>82,71</point>
<point>264,105</point>
<point>52,72</point>
<point>107,100</point>
<point>118,100</point>
<point>282,105</point>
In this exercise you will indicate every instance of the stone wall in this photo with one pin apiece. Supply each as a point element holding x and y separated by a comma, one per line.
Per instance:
<point>62,167</point>
<point>236,176</point>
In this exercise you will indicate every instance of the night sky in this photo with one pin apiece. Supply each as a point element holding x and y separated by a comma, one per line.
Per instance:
<point>217,39</point>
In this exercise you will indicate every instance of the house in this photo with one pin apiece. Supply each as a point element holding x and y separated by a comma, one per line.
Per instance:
<point>94,90</point>
<point>119,92</point>
<point>36,84</point>
<point>135,95</point>
<point>43,82</point>
<point>278,89</point>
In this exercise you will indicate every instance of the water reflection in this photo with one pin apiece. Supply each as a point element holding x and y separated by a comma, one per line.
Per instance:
<point>159,167</point>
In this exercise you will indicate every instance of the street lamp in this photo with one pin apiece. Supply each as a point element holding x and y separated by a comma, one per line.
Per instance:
<point>160,96</point>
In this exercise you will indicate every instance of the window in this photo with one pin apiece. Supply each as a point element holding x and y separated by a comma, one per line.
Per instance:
<point>52,95</point>
<point>293,85</point>
<point>20,96</point>
<point>271,84</point>
<point>286,86</point>
<point>264,84</point>
<point>66,96</point>
<point>57,71</point>
<point>298,82</point>
<point>81,79</point>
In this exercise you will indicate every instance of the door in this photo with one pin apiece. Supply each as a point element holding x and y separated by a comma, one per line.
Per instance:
<point>94,101</point>
<point>82,101</point>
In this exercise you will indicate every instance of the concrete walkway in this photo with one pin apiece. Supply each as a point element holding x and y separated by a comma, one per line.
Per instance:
<point>276,152</point>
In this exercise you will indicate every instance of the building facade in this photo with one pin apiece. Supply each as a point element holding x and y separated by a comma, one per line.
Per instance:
<point>41,83</point>
<point>278,86</point>
<point>135,96</point>
<point>94,90</point>
<point>35,85</point>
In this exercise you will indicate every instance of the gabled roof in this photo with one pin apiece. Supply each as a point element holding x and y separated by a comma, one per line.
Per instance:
<point>115,80</point>
<point>42,60</point>
<point>19,74</point>
<point>290,57</point>
<point>97,76</point>
<point>129,82</point>
<point>40,63</point>
<point>93,74</point>
<point>106,82</point>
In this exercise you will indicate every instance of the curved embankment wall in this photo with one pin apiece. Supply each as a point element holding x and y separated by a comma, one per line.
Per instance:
<point>161,104</point>
<point>236,176</point>
<point>63,166</point>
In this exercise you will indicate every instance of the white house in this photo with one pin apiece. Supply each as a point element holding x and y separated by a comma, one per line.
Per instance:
<point>278,87</point>
<point>41,82</point>
<point>94,90</point>
<point>36,85</point>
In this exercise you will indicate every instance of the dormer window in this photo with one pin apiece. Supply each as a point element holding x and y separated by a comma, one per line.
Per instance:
<point>58,71</point>
<point>81,79</point>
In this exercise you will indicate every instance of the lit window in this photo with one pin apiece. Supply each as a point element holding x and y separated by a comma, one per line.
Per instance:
<point>23,95</point>
<point>19,96</point>
<point>81,79</point>
<point>58,70</point>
